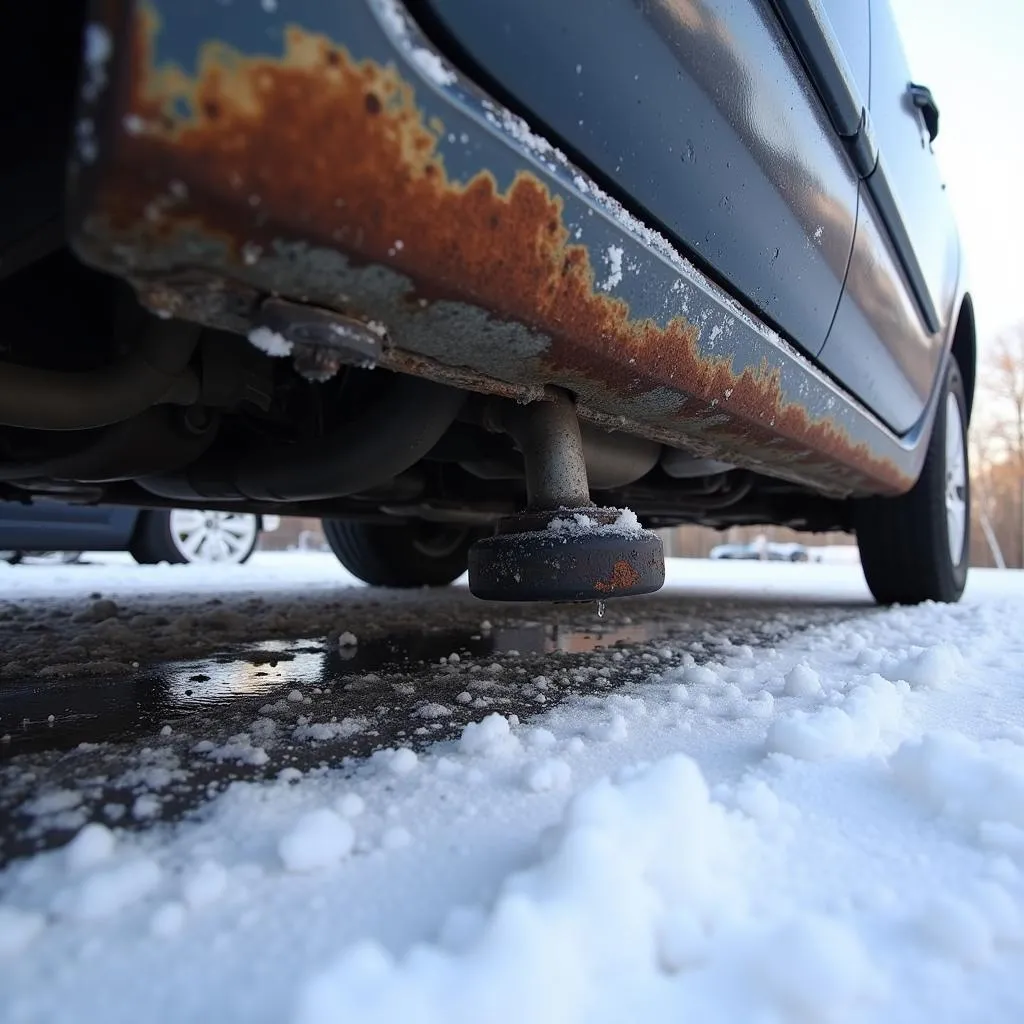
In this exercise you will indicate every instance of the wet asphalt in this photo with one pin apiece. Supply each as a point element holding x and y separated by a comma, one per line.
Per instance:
<point>150,744</point>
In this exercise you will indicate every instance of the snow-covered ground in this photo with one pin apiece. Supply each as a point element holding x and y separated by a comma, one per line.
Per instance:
<point>829,829</point>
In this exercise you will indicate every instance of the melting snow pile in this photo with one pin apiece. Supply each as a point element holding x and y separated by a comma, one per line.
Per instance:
<point>827,831</point>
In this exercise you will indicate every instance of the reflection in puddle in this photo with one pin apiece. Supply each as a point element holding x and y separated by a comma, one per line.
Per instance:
<point>538,638</point>
<point>257,672</point>
<point>262,670</point>
<point>60,715</point>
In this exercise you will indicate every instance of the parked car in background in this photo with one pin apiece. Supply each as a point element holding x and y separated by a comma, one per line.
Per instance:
<point>762,550</point>
<point>689,259</point>
<point>151,535</point>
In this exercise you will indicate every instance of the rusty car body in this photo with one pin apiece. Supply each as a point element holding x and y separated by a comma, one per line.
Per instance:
<point>292,237</point>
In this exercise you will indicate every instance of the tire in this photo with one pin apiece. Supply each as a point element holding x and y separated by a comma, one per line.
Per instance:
<point>916,547</point>
<point>407,555</point>
<point>186,536</point>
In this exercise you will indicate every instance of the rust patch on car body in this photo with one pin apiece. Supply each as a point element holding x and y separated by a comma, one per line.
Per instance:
<point>623,577</point>
<point>318,147</point>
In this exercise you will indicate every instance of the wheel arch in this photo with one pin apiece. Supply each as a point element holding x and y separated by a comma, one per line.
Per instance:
<point>141,515</point>
<point>965,349</point>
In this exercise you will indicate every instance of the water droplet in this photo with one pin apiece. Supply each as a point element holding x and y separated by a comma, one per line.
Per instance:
<point>600,609</point>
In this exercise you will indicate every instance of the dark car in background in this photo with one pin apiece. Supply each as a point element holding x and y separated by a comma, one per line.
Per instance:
<point>469,279</point>
<point>163,535</point>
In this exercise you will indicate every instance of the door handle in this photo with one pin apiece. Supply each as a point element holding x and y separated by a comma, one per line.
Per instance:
<point>921,97</point>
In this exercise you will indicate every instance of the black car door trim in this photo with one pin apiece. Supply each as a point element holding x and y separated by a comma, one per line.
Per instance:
<point>815,42</point>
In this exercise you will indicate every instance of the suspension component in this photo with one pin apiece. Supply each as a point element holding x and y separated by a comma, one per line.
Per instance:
<point>562,547</point>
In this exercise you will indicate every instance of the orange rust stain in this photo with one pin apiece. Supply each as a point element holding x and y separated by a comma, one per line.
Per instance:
<point>623,577</point>
<point>318,146</point>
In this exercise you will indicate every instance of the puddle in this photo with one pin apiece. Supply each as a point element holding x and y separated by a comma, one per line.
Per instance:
<point>59,714</point>
<point>259,673</point>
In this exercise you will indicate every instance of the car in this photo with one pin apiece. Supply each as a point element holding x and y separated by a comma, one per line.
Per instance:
<point>502,286</point>
<point>62,531</point>
<point>763,550</point>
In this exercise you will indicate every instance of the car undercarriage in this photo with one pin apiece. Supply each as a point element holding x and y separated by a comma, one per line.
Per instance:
<point>446,323</point>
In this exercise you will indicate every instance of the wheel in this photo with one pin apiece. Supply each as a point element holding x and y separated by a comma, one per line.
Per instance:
<point>915,547</point>
<point>192,536</point>
<point>405,555</point>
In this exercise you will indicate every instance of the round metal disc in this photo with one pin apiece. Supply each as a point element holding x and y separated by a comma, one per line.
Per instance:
<point>956,481</point>
<point>208,537</point>
<point>543,566</point>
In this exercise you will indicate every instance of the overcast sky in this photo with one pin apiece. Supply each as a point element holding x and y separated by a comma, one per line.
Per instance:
<point>970,53</point>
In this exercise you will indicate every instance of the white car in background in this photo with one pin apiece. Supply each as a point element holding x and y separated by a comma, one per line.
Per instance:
<point>761,549</point>
<point>63,531</point>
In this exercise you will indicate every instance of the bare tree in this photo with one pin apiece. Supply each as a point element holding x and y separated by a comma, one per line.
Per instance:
<point>999,442</point>
<point>983,503</point>
<point>1004,382</point>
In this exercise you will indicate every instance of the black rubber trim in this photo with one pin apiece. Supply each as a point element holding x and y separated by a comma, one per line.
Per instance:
<point>811,34</point>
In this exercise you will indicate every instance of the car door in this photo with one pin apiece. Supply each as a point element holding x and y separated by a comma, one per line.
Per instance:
<point>58,526</point>
<point>900,112</point>
<point>886,344</point>
<point>698,115</point>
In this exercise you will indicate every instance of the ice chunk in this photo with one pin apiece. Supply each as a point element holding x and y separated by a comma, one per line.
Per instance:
<point>552,773</point>
<point>699,675</point>
<point>351,805</point>
<point>403,761</point>
<point>490,738</point>
<point>933,668</point>
<point>319,839</point>
<point>433,710</point>
<point>146,805</point>
<point>94,844</point>
<point>802,681</point>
